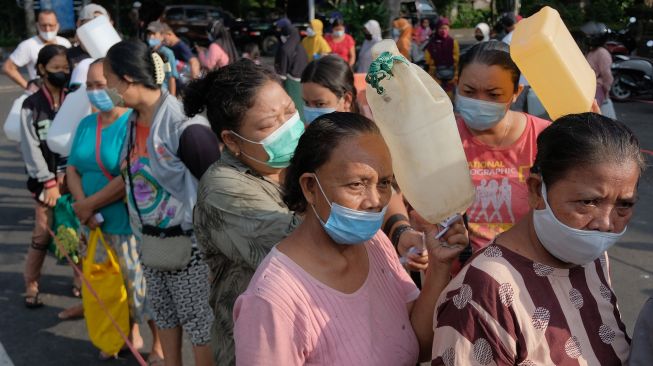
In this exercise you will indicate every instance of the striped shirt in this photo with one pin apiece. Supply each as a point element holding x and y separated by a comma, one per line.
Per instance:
<point>504,309</point>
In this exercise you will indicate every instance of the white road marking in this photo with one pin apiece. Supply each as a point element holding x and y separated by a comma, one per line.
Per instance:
<point>4,357</point>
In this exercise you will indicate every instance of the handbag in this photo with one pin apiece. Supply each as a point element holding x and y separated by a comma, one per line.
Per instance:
<point>107,282</point>
<point>444,73</point>
<point>162,249</point>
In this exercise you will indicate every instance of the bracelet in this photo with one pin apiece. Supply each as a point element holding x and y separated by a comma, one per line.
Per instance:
<point>50,184</point>
<point>392,221</point>
<point>397,234</point>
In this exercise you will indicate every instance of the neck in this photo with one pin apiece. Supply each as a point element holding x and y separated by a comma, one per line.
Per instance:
<point>147,105</point>
<point>503,134</point>
<point>111,116</point>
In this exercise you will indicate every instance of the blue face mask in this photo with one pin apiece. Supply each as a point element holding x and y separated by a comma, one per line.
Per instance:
<point>100,99</point>
<point>153,42</point>
<point>396,33</point>
<point>311,114</point>
<point>347,226</point>
<point>480,115</point>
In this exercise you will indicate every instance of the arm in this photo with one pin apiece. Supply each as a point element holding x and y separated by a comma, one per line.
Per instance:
<point>352,56</point>
<point>456,58</point>
<point>437,278</point>
<point>607,79</point>
<point>172,86</point>
<point>11,70</point>
<point>203,57</point>
<point>194,67</point>
<point>74,182</point>
<point>35,163</point>
<point>198,149</point>
<point>396,217</point>
<point>112,192</point>
<point>430,62</point>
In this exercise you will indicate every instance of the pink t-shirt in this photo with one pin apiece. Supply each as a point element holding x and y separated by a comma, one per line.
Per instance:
<point>287,317</point>
<point>341,48</point>
<point>214,57</point>
<point>499,175</point>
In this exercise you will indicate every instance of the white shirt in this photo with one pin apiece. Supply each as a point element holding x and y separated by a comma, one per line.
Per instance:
<point>28,51</point>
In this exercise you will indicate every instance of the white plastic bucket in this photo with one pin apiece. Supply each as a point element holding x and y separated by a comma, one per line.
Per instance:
<point>62,130</point>
<point>97,36</point>
<point>12,123</point>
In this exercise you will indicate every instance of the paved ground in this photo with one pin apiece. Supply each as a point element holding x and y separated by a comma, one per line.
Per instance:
<point>37,337</point>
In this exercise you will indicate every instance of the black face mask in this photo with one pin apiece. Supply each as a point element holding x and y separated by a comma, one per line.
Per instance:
<point>479,37</point>
<point>58,79</point>
<point>368,36</point>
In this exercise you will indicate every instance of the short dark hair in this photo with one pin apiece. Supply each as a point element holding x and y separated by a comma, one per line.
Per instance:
<point>582,140</point>
<point>491,53</point>
<point>133,59</point>
<point>315,147</point>
<point>47,12</point>
<point>333,73</point>
<point>227,93</point>
<point>48,52</point>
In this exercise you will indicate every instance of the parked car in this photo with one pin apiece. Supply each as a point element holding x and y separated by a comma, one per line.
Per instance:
<point>190,22</point>
<point>261,32</point>
<point>417,10</point>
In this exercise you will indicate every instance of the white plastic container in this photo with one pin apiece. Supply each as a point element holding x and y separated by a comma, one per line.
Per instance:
<point>12,123</point>
<point>62,130</point>
<point>97,36</point>
<point>416,119</point>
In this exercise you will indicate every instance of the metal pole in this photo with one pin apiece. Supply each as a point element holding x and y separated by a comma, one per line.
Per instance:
<point>30,22</point>
<point>311,9</point>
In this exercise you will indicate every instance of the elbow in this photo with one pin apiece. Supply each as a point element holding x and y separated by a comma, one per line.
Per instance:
<point>8,67</point>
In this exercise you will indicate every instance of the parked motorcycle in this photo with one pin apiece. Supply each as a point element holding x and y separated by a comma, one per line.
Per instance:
<point>623,42</point>
<point>633,76</point>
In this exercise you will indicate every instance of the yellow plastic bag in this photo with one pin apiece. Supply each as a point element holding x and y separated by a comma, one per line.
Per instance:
<point>107,282</point>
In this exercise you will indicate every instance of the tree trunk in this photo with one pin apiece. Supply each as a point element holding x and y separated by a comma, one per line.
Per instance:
<point>30,22</point>
<point>394,7</point>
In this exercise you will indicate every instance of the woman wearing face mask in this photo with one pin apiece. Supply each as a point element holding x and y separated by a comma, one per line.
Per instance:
<point>442,54</point>
<point>372,31</point>
<point>94,179</point>
<point>422,33</point>
<point>314,43</point>
<point>402,34</point>
<point>328,86</point>
<point>166,153</point>
<point>290,61</point>
<point>341,43</point>
<point>482,32</point>
<point>240,214</point>
<point>500,144</point>
<point>222,50</point>
<point>541,293</point>
<point>333,292</point>
<point>44,168</point>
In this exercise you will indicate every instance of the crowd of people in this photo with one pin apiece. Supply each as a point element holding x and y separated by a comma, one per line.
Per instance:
<point>254,208</point>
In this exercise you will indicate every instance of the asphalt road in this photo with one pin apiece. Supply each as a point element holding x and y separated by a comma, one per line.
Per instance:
<point>37,337</point>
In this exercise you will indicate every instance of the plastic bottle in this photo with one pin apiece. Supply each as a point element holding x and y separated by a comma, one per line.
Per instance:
<point>550,59</point>
<point>62,130</point>
<point>97,36</point>
<point>416,119</point>
<point>12,123</point>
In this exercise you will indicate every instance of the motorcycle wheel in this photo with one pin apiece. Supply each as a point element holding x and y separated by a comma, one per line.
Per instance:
<point>269,45</point>
<point>621,91</point>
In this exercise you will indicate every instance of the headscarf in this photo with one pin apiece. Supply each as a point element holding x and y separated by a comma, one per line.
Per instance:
<point>403,43</point>
<point>365,54</point>
<point>485,29</point>
<point>441,48</point>
<point>291,57</point>
<point>317,43</point>
<point>219,34</point>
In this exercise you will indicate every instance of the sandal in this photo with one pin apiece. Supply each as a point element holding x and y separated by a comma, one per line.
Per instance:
<point>33,301</point>
<point>76,291</point>
<point>155,360</point>
<point>106,357</point>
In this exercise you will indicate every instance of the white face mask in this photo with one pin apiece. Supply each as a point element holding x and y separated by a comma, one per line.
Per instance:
<point>566,243</point>
<point>48,36</point>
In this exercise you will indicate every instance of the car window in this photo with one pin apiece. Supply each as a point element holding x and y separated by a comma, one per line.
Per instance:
<point>175,14</point>
<point>424,6</point>
<point>408,7</point>
<point>214,14</point>
<point>194,15</point>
